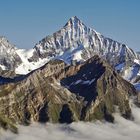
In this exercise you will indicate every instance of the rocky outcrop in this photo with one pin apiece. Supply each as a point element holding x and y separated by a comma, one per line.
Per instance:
<point>9,59</point>
<point>57,92</point>
<point>6,123</point>
<point>102,88</point>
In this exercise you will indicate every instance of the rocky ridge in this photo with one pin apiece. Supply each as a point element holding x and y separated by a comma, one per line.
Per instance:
<point>80,81</point>
<point>75,42</point>
<point>57,92</point>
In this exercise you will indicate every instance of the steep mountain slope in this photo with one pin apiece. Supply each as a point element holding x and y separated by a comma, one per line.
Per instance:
<point>15,61</point>
<point>75,42</point>
<point>9,59</point>
<point>57,92</point>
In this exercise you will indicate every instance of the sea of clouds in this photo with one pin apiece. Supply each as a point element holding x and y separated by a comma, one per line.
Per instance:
<point>122,130</point>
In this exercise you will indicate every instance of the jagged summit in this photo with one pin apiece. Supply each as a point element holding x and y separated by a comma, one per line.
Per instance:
<point>4,43</point>
<point>9,59</point>
<point>80,87</point>
<point>74,42</point>
<point>75,18</point>
<point>74,21</point>
<point>78,42</point>
<point>3,38</point>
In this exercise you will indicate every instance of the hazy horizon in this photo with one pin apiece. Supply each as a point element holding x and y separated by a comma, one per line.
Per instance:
<point>25,23</point>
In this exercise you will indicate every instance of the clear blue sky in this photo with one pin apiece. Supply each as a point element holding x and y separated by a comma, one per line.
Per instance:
<point>25,22</point>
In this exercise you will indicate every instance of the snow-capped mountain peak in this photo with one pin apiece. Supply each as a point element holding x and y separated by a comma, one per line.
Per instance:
<point>5,44</point>
<point>74,22</point>
<point>9,59</point>
<point>74,42</point>
<point>76,36</point>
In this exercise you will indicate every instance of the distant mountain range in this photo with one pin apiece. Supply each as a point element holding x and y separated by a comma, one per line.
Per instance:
<point>74,74</point>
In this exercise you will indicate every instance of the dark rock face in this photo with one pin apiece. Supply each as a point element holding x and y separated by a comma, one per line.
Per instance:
<point>84,81</point>
<point>102,87</point>
<point>60,93</point>
<point>65,115</point>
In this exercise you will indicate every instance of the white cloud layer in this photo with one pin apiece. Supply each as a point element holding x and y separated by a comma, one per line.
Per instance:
<point>122,130</point>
